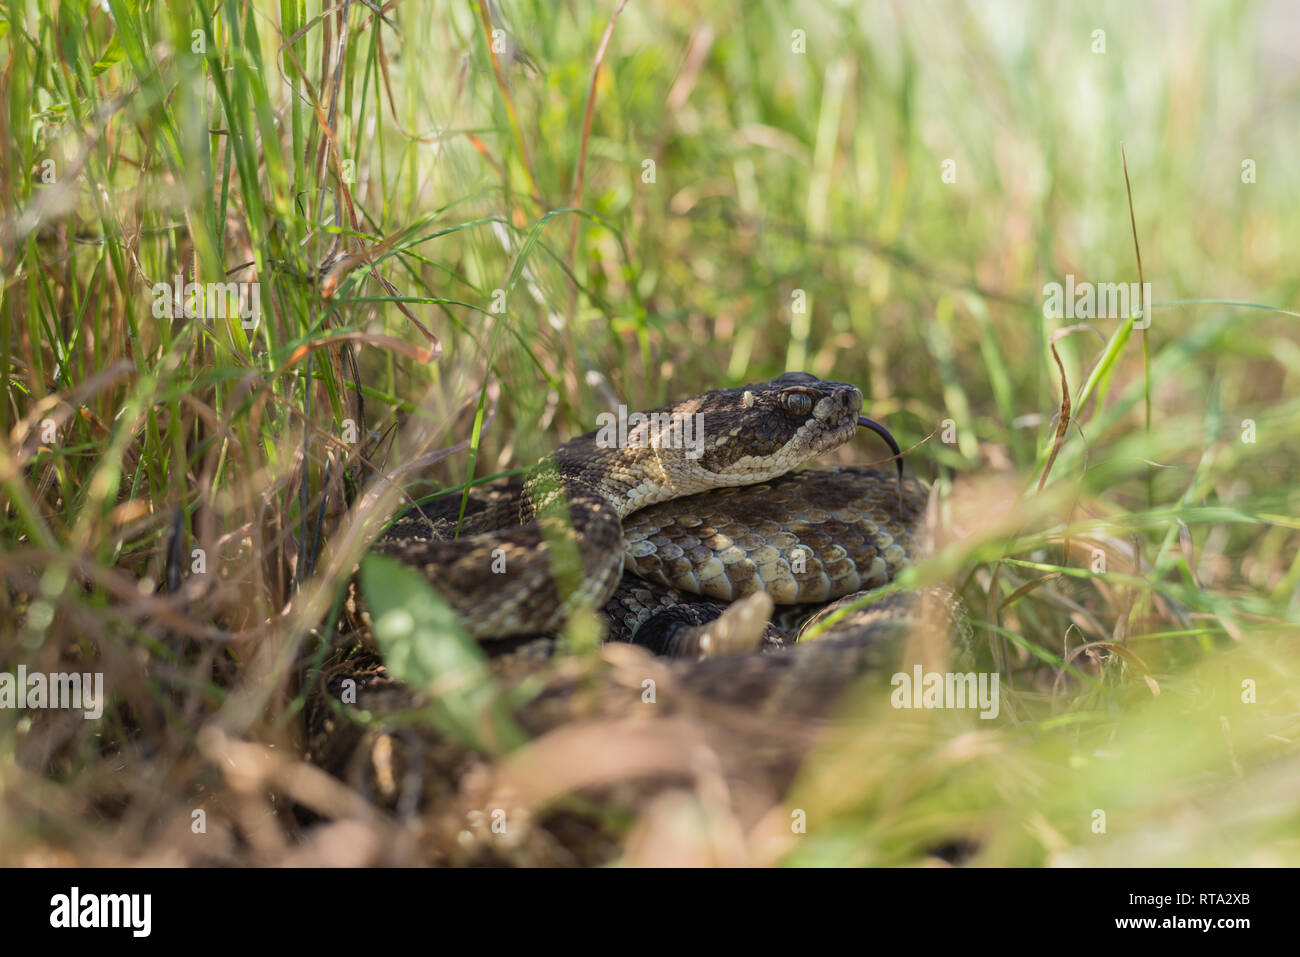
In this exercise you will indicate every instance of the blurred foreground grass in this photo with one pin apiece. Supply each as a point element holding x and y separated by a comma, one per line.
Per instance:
<point>871,192</point>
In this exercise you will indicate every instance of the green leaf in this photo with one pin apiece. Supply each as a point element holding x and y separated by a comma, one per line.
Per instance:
<point>1100,374</point>
<point>111,55</point>
<point>425,646</point>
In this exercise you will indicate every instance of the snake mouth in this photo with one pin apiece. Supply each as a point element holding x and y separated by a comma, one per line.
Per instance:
<point>883,432</point>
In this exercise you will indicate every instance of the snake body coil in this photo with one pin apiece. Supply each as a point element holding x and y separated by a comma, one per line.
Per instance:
<point>587,488</point>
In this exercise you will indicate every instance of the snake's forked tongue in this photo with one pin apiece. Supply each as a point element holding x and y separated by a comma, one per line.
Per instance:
<point>883,432</point>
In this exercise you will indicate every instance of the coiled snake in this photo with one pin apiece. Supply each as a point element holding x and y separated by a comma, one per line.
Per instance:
<point>709,533</point>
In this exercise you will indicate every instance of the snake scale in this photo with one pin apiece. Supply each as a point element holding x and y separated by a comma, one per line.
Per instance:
<point>683,548</point>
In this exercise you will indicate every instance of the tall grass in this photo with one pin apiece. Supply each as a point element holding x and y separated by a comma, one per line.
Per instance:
<point>469,227</point>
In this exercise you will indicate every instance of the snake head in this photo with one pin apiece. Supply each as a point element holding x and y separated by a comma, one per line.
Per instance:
<point>763,430</point>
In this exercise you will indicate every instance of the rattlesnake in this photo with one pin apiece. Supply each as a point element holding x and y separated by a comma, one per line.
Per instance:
<point>728,524</point>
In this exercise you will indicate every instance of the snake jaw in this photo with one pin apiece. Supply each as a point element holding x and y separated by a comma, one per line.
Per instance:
<point>883,432</point>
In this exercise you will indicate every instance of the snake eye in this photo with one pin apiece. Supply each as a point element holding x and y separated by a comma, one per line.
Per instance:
<point>800,403</point>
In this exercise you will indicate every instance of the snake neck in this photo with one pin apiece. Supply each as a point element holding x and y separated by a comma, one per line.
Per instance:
<point>627,478</point>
